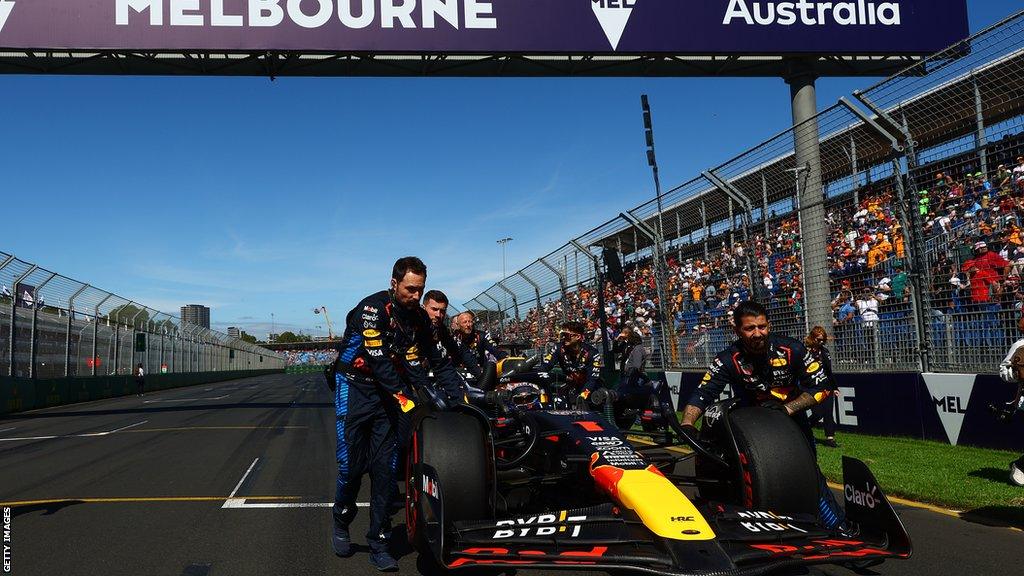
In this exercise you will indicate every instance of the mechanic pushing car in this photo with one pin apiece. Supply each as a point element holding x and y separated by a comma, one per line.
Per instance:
<point>772,371</point>
<point>474,342</point>
<point>387,337</point>
<point>580,362</point>
<point>435,303</point>
<point>1011,370</point>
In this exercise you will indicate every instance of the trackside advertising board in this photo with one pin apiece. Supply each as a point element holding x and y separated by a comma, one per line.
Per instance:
<point>488,26</point>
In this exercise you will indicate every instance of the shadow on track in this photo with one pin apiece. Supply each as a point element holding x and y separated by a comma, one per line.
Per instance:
<point>49,508</point>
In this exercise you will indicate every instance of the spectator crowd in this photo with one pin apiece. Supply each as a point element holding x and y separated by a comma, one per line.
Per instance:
<point>974,248</point>
<point>310,357</point>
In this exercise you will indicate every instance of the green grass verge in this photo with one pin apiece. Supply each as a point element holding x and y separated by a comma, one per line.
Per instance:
<point>958,477</point>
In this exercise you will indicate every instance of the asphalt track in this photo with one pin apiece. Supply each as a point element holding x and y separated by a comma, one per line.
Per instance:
<point>235,478</point>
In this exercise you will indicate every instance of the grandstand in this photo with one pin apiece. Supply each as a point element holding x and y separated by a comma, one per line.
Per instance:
<point>953,179</point>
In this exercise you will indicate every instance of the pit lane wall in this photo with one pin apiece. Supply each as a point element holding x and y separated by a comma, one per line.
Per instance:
<point>950,408</point>
<point>21,394</point>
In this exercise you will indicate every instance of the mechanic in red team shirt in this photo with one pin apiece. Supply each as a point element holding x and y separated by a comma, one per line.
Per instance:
<point>769,370</point>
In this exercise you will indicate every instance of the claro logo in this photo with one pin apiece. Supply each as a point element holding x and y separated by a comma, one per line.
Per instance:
<point>807,13</point>
<point>868,498</point>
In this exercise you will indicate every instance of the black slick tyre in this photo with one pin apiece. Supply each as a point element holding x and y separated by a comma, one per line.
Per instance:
<point>454,446</point>
<point>779,471</point>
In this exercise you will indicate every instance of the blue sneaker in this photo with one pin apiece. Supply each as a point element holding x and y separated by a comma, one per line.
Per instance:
<point>341,542</point>
<point>383,561</point>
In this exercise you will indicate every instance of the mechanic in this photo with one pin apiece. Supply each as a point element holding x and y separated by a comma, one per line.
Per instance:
<point>635,387</point>
<point>1011,371</point>
<point>387,337</point>
<point>768,370</point>
<point>580,362</point>
<point>824,410</point>
<point>435,303</point>
<point>475,342</point>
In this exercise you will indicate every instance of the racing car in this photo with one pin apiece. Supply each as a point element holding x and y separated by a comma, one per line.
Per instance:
<point>518,478</point>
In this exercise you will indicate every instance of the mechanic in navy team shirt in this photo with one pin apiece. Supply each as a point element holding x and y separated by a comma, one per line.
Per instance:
<point>769,370</point>
<point>580,362</point>
<point>435,303</point>
<point>474,342</point>
<point>381,362</point>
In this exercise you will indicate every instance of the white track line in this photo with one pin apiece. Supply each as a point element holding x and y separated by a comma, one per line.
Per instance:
<point>128,426</point>
<point>87,435</point>
<point>7,429</point>
<point>233,502</point>
<point>240,503</point>
<point>243,505</point>
<point>185,399</point>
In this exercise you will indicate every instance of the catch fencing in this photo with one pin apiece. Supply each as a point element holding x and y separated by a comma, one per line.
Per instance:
<point>875,242</point>
<point>52,326</point>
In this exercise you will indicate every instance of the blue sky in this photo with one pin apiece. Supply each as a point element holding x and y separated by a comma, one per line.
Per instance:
<point>254,196</point>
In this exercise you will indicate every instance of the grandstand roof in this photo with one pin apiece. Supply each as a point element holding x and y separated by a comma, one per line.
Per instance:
<point>944,110</point>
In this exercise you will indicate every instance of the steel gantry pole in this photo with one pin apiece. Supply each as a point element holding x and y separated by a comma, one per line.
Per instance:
<point>67,336</point>
<point>32,336</point>
<point>96,330</point>
<point>540,311</point>
<point>813,233</point>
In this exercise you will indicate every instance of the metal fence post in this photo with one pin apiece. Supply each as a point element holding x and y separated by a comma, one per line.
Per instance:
<point>35,315</point>
<point>498,308</point>
<point>980,141</point>
<point>14,317</point>
<point>540,309</point>
<point>853,171</point>
<point>914,240</point>
<point>96,330</point>
<point>602,318</point>
<point>562,284</point>
<point>705,225</point>
<point>764,204</point>
<point>664,324</point>
<point>134,338</point>
<point>515,302</point>
<point>67,336</point>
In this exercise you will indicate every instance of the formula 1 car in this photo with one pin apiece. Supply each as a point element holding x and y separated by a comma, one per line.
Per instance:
<point>516,480</point>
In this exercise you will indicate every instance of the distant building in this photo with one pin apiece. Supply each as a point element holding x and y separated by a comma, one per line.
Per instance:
<point>234,332</point>
<point>272,337</point>
<point>196,314</point>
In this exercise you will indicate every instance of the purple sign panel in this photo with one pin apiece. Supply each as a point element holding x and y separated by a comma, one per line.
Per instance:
<point>488,26</point>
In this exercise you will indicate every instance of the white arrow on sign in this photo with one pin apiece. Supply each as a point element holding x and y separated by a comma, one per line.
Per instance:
<point>5,10</point>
